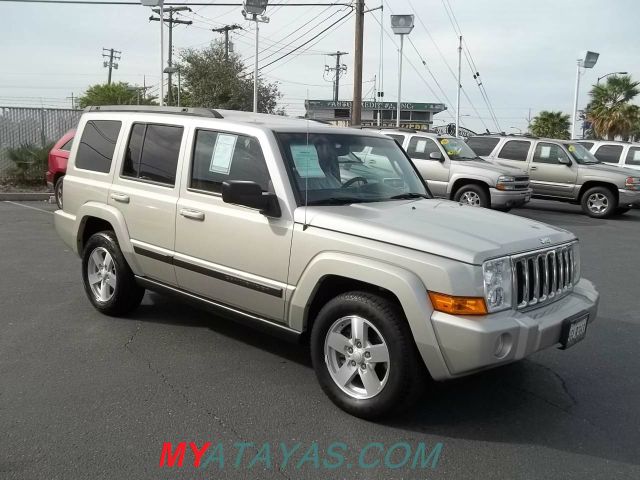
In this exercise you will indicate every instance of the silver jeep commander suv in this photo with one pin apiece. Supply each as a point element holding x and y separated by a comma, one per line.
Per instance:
<point>281,224</point>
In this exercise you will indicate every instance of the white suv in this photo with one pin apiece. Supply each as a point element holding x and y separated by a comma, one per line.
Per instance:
<point>283,224</point>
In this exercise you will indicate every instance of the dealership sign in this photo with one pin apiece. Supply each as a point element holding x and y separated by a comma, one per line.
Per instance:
<point>330,104</point>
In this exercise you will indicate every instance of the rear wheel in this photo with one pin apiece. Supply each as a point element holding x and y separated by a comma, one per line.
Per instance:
<point>473,195</point>
<point>108,280</point>
<point>57,191</point>
<point>599,202</point>
<point>364,355</point>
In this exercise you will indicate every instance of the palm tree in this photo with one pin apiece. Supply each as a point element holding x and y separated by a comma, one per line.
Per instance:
<point>551,125</point>
<point>610,110</point>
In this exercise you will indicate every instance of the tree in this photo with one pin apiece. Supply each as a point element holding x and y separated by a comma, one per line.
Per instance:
<point>120,93</point>
<point>551,125</point>
<point>610,110</point>
<point>210,80</point>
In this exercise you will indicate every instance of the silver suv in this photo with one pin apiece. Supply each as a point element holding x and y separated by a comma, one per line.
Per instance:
<point>564,170</point>
<point>261,219</point>
<point>453,171</point>
<point>621,154</point>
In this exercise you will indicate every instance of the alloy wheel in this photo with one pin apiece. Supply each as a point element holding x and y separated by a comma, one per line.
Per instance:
<point>357,357</point>
<point>101,274</point>
<point>597,203</point>
<point>470,198</point>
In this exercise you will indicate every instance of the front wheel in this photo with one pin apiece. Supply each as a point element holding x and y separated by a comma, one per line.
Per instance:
<point>473,195</point>
<point>599,202</point>
<point>108,280</point>
<point>364,355</point>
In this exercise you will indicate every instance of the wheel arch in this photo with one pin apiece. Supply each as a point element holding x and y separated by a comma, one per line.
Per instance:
<point>94,217</point>
<point>332,273</point>
<point>597,183</point>
<point>463,181</point>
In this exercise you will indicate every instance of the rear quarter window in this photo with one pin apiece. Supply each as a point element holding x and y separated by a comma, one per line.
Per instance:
<point>482,146</point>
<point>97,144</point>
<point>609,153</point>
<point>515,150</point>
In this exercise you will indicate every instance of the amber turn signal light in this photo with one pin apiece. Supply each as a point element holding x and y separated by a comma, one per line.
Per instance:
<point>458,305</point>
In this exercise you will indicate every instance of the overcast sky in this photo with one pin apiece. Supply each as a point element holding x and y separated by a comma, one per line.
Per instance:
<point>525,51</point>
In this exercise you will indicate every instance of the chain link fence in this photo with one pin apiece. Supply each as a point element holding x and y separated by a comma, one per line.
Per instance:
<point>26,134</point>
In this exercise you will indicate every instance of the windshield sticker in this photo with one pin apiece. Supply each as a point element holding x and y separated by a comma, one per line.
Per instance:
<point>451,153</point>
<point>305,158</point>
<point>572,148</point>
<point>444,141</point>
<point>421,146</point>
<point>223,153</point>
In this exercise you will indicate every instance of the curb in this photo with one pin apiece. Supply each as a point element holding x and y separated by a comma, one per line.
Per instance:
<point>24,196</point>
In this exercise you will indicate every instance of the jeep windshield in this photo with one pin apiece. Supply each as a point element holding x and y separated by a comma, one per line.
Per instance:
<point>457,149</point>
<point>581,155</point>
<point>339,169</point>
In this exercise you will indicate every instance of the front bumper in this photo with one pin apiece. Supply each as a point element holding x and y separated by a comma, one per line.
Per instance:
<point>469,344</point>
<point>509,198</point>
<point>628,198</point>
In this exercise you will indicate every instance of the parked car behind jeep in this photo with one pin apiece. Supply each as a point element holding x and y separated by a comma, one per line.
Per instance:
<point>261,219</point>
<point>620,154</point>
<point>454,171</point>
<point>564,170</point>
<point>58,157</point>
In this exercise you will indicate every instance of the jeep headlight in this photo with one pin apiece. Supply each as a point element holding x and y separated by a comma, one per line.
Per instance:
<point>505,182</point>
<point>498,284</point>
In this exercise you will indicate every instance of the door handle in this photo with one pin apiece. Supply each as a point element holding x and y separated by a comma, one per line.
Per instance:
<point>192,214</point>
<point>120,197</point>
<point>534,168</point>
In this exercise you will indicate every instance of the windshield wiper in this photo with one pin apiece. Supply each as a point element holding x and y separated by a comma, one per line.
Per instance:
<point>408,196</point>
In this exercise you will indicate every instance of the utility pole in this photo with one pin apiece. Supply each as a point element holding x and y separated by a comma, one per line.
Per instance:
<point>339,69</point>
<point>171,22</point>
<point>112,55</point>
<point>226,30</point>
<point>459,87</point>
<point>356,109</point>
<point>73,101</point>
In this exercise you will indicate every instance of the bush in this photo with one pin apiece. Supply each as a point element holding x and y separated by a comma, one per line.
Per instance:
<point>30,164</point>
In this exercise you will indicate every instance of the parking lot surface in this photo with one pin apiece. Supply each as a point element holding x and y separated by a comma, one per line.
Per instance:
<point>87,396</point>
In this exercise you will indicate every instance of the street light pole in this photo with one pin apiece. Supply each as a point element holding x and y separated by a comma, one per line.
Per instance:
<point>587,60</point>
<point>608,74</point>
<point>459,87</point>
<point>399,82</point>
<point>254,11</point>
<point>401,25</point>
<point>161,22</point>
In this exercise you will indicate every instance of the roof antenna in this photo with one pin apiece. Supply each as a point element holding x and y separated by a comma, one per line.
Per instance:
<point>306,176</point>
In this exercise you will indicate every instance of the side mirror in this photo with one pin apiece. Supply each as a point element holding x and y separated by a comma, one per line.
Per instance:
<point>564,161</point>
<point>249,194</point>
<point>436,156</point>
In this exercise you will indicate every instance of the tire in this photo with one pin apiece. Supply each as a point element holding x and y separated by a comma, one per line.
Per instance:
<point>622,210</point>
<point>473,195</point>
<point>57,191</point>
<point>102,250</point>
<point>599,202</point>
<point>400,379</point>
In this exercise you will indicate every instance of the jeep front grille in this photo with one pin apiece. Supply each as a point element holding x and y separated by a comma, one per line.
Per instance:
<point>543,276</point>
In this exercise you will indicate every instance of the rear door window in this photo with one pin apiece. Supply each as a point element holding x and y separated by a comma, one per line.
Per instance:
<point>97,144</point>
<point>633,156</point>
<point>483,146</point>
<point>421,148</point>
<point>609,153</point>
<point>515,150</point>
<point>152,153</point>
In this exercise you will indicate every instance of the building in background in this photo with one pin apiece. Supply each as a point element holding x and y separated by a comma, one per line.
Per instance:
<point>412,115</point>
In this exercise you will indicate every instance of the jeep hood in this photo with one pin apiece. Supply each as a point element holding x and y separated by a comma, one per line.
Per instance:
<point>440,227</point>
<point>483,166</point>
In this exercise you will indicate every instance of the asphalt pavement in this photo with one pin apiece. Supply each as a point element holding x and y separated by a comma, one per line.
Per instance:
<point>85,396</point>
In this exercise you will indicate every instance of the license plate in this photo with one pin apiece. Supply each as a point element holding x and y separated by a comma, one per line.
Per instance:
<point>574,329</point>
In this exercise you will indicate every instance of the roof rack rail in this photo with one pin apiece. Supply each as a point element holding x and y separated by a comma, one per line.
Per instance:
<point>399,129</point>
<point>199,112</point>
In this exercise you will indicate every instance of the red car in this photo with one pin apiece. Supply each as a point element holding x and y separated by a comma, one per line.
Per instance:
<point>58,157</point>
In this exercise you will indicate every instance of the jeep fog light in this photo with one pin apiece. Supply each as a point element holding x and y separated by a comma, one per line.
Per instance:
<point>498,283</point>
